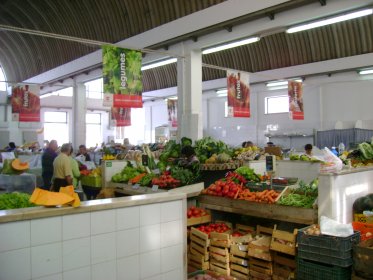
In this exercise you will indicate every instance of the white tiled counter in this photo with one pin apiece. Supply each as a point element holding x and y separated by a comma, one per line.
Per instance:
<point>304,170</point>
<point>338,191</point>
<point>137,237</point>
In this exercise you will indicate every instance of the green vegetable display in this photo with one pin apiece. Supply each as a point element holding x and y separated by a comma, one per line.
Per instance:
<point>366,150</point>
<point>303,196</point>
<point>207,146</point>
<point>15,200</point>
<point>248,173</point>
<point>146,180</point>
<point>127,173</point>
<point>297,200</point>
<point>185,176</point>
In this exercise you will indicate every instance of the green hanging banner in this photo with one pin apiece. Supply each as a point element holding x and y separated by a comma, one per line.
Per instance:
<point>122,77</point>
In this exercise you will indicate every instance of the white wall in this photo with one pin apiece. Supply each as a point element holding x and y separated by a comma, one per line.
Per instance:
<point>344,98</point>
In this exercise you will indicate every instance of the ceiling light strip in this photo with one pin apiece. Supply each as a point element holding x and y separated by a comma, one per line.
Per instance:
<point>231,45</point>
<point>158,64</point>
<point>328,21</point>
<point>366,72</point>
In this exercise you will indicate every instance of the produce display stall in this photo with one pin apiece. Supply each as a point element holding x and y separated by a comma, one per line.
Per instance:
<point>261,210</point>
<point>304,170</point>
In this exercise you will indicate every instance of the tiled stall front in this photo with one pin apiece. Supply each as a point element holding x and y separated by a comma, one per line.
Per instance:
<point>139,242</point>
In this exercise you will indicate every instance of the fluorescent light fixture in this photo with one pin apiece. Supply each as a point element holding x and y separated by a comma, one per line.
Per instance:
<point>231,45</point>
<point>278,87</point>
<point>222,91</point>
<point>282,83</point>
<point>47,95</point>
<point>222,94</point>
<point>328,21</point>
<point>158,64</point>
<point>172,97</point>
<point>366,72</point>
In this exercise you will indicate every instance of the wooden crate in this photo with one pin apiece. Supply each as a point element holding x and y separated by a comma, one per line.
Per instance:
<point>220,239</point>
<point>261,266</point>
<point>239,250</point>
<point>219,267</point>
<point>244,229</point>
<point>283,241</point>
<point>254,275</point>
<point>239,261</point>
<point>260,248</point>
<point>239,271</point>
<point>264,230</point>
<point>199,220</point>
<point>219,254</point>
<point>199,243</point>
<point>198,261</point>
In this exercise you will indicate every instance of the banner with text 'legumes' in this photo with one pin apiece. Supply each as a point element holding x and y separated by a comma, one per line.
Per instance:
<point>25,103</point>
<point>295,92</point>
<point>122,77</point>
<point>238,94</point>
<point>121,116</point>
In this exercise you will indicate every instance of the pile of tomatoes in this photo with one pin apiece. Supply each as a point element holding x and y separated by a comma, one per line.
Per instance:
<point>224,187</point>
<point>195,212</point>
<point>218,227</point>
<point>165,181</point>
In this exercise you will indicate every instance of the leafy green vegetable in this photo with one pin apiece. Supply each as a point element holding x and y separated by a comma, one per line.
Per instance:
<point>127,174</point>
<point>186,141</point>
<point>147,179</point>
<point>248,173</point>
<point>297,200</point>
<point>308,189</point>
<point>15,200</point>
<point>366,150</point>
<point>185,176</point>
<point>207,146</point>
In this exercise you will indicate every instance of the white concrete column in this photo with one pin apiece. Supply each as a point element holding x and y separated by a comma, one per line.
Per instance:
<point>79,112</point>
<point>189,87</point>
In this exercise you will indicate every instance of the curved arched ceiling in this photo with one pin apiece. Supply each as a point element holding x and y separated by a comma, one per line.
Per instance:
<point>23,56</point>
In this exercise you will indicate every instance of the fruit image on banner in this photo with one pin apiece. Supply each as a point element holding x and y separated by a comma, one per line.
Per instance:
<point>172,112</point>
<point>121,116</point>
<point>122,77</point>
<point>238,94</point>
<point>295,92</point>
<point>25,103</point>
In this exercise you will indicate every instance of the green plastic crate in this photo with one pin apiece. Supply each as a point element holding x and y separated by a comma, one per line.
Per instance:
<point>91,181</point>
<point>311,270</point>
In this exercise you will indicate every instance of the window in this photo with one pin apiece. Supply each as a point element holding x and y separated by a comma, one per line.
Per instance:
<point>64,92</point>
<point>93,129</point>
<point>2,78</point>
<point>276,104</point>
<point>56,127</point>
<point>94,89</point>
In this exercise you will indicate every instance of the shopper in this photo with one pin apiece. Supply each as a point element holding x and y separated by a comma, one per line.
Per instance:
<point>62,171</point>
<point>74,169</point>
<point>83,152</point>
<point>11,147</point>
<point>188,158</point>
<point>47,163</point>
<point>249,144</point>
<point>308,149</point>
<point>270,144</point>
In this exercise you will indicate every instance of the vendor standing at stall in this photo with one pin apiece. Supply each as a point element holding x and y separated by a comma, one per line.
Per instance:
<point>47,163</point>
<point>62,170</point>
<point>83,152</point>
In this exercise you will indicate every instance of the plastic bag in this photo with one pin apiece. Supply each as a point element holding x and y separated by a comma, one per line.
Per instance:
<point>331,163</point>
<point>331,227</point>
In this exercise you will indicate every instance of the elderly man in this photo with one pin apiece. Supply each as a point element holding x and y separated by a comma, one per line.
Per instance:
<point>62,170</point>
<point>47,163</point>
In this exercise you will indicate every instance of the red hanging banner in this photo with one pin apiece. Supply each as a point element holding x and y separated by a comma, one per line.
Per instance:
<point>172,112</point>
<point>295,92</point>
<point>238,94</point>
<point>121,116</point>
<point>25,103</point>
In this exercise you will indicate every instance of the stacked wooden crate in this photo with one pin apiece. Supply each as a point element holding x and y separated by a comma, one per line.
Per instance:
<point>283,244</point>
<point>198,255</point>
<point>260,256</point>
<point>239,252</point>
<point>219,252</point>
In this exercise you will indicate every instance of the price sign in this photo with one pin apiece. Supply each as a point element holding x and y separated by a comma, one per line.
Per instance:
<point>270,163</point>
<point>135,186</point>
<point>156,171</point>
<point>155,188</point>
